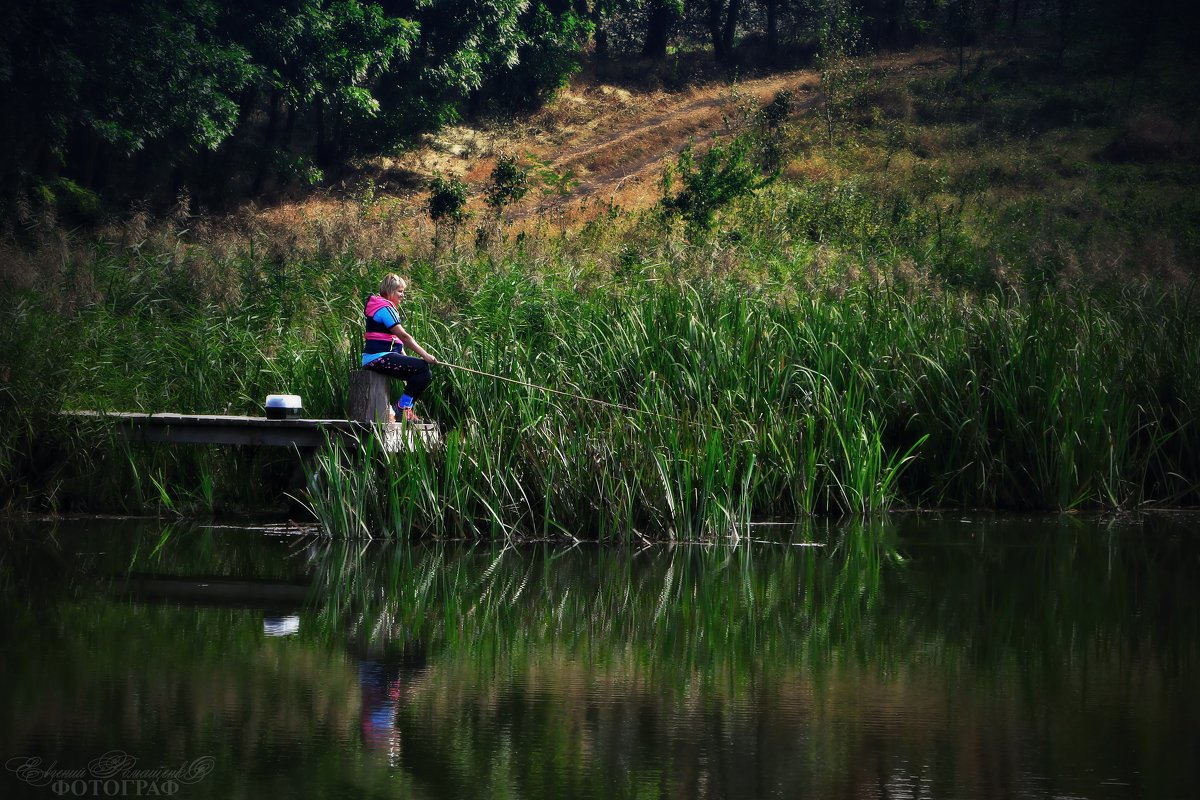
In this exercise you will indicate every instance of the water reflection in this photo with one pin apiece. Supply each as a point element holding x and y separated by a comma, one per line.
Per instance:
<point>386,682</point>
<point>918,657</point>
<point>281,626</point>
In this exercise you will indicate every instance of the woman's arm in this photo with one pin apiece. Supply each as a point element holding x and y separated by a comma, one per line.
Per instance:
<point>411,344</point>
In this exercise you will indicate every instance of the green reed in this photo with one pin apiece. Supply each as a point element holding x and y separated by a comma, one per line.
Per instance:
<point>770,381</point>
<point>807,405</point>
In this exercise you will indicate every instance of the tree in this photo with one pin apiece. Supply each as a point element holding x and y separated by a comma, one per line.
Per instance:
<point>509,182</point>
<point>461,44</point>
<point>91,82</point>
<point>838,36</point>
<point>712,181</point>
<point>722,22</point>
<point>552,34</point>
<point>86,84</point>
<point>958,21</point>
<point>661,18</point>
<point>41,77</point>
<point>447,204</point>
<point>771,9</point>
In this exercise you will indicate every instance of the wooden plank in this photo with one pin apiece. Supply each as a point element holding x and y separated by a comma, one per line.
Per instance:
<point>259,431</point>
<point>184,433</point>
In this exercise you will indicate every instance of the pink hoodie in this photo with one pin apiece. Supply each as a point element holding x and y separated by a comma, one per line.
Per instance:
<point>374,303</point>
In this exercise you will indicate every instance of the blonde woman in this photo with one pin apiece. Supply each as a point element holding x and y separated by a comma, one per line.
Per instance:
<point>385,342</point>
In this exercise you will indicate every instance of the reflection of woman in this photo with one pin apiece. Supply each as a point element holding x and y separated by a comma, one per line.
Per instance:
<point>380,687</point>
<point>385,341</point>
<point>384,681</point>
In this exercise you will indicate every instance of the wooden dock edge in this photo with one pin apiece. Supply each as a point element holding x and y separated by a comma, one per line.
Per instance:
<point>302,434</point>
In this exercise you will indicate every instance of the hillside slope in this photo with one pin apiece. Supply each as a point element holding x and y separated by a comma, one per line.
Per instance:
<point>592,146</point>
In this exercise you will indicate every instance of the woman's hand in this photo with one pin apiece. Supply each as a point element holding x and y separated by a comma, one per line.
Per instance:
<point>430,358</point>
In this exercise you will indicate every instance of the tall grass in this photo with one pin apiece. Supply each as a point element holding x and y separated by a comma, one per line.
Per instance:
<point>831,351</point>
<point>786,406</point>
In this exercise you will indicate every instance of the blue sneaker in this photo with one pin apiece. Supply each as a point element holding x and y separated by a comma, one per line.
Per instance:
<point>406,414</point>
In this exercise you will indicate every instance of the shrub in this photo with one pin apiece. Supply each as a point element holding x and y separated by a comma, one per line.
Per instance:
<point>546,60</point>
<point>447,200</point>
<point>508,183</point>
<point>776,112</point>
<point>722,174</point>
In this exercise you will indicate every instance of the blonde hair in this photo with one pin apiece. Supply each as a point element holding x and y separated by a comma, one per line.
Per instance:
<point>390,283</point>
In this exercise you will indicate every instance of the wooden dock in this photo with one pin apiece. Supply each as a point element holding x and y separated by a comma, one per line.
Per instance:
<point>299,434</point>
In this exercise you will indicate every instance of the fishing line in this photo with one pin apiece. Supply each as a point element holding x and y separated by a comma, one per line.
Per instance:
<point>556,391</point>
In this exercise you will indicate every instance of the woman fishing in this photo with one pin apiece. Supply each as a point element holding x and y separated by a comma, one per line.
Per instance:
<point>385,342</point>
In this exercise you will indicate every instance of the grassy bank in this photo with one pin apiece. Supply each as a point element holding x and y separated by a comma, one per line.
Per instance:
<point>876,329</point>
<point>796,392</point>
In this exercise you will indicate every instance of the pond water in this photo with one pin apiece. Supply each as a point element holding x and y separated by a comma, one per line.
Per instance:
<point>917,656</point>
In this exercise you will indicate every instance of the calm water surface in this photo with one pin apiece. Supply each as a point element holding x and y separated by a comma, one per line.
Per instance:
<point>914,657</point>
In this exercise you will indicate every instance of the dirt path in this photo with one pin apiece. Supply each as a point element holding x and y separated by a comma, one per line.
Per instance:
<point>601,144</point>
<point>622,162</point>
<point>591,147</point>
<point>670,134</point>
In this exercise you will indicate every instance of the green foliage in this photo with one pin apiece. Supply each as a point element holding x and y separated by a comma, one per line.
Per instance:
<point>65,202</point>
<point>29,397</point>
<point>722,174</point>
<point>300,168</point>
<point>975,327</point>
<point>552,181</point>
<point>507,184</point>
<point>164,74</point>
<point>545,60</point>
<point>133,75</point>
<point>462,43</point>
<point>128,99</point>
<point>795,387</point>
<point>771,133</point>
<point>331,56</point>
<point>447,200</point>
<point>176,79</point>
<point>775,113</point>
<point>333,50</point>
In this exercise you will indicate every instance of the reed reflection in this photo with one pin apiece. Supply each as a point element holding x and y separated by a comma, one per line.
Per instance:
<point>922,655</point>
<point>940,656</point>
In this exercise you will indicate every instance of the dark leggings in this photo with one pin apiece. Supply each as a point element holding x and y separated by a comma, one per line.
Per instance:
<point>413,371</point>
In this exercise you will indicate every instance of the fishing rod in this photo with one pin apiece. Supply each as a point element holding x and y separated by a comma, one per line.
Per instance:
<point>557,391</point>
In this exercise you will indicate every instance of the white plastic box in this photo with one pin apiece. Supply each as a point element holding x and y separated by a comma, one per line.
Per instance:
<point>283,406</point>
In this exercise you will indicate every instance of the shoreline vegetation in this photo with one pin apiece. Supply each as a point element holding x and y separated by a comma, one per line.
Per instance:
<point>964,296</point>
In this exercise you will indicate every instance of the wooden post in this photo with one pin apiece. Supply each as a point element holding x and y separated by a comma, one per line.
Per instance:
<point>369,396</point>
<point>369,403</point>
